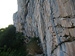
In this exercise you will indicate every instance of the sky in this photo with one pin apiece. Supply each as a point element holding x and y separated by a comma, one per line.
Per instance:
<point>7,8</point>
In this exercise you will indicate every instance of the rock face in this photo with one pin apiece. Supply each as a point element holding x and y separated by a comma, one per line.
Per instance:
<point>53,21</point>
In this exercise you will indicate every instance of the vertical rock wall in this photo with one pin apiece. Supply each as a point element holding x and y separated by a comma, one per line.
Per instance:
<point>52,20</point>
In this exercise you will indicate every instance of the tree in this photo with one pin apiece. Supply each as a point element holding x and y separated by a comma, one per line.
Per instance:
<point>7,36</point>
<point>11,42</point>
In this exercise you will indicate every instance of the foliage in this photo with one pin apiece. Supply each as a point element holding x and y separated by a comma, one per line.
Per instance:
<point>11,52</point>
<point>11,42</point>
<point>34,46</point>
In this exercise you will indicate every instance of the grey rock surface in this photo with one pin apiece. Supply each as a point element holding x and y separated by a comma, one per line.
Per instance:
<point>53,21</point>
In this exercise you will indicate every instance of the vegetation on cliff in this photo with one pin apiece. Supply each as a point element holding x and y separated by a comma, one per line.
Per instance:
<point>13,43</point>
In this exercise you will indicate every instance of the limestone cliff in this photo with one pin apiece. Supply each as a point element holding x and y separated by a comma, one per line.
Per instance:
<point>53,21</point>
